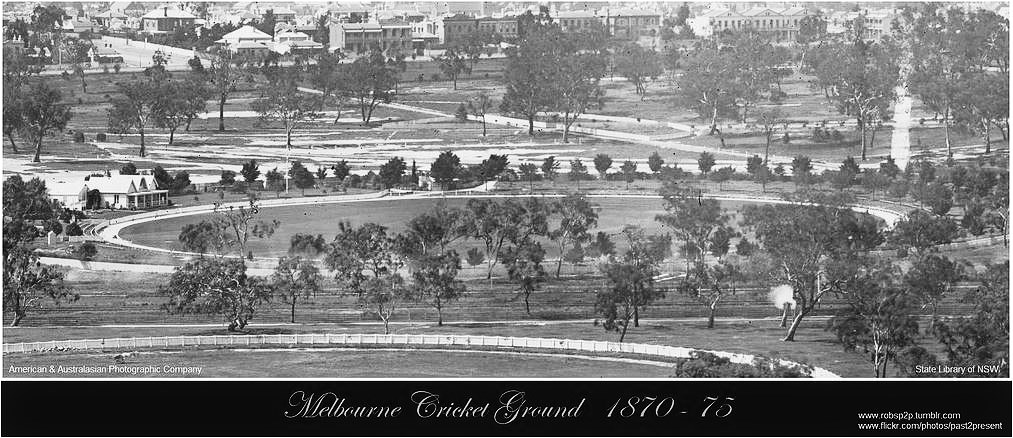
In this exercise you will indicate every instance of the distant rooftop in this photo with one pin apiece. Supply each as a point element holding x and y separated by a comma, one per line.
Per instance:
<point>167,12</point>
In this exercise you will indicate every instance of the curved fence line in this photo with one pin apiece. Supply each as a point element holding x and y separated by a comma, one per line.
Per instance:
<point>109,231</point>
<point>377,339</point>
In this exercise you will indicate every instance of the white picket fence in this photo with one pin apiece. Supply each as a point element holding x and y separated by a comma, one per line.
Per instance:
<point>381,340</point>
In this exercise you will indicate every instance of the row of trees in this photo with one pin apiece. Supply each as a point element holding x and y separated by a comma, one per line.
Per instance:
<point>367,260</point>
<point>159,99</point>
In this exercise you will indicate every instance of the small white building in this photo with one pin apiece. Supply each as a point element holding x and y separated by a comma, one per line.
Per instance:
<point>287,42</point>
<point>72,195</point>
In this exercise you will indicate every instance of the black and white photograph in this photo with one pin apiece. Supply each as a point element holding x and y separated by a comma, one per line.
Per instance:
<point>506,190</point>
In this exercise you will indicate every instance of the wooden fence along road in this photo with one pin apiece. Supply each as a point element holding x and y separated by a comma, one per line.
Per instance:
<point>451,341</point>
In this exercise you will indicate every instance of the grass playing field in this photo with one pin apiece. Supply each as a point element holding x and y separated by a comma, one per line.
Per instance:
<point>613,215</point>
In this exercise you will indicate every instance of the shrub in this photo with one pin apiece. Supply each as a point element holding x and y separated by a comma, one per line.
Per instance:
<point>128,169</point>
<point>66,215</point>
<point>475,257</point>
<point>53,225</point>
<point>100,136</point>
<point>228,177</point>
<point>73,229</point>
<point>78,137</point>
<point>709,365</point>
<point>85,251</point>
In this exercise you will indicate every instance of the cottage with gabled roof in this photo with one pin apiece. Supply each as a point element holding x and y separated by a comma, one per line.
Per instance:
<point>114,191</point>
<point>128,191</point>
<point>247,41</point>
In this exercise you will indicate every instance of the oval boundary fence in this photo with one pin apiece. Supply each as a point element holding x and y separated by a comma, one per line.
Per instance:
<point>386,340</point>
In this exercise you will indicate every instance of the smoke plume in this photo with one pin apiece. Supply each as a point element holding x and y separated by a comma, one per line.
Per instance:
<point>781,295</point>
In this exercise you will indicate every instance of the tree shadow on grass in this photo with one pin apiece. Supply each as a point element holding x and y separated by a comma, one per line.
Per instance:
<point>246,332</point>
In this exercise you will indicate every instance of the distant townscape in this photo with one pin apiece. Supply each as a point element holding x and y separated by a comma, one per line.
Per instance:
<point>604,189</point>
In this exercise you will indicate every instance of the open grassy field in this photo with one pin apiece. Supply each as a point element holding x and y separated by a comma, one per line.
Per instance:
<point>355,363</point>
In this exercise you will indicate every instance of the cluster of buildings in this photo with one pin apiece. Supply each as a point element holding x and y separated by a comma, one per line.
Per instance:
<point>418,31</point>
<point>248,41</point>
<point>353,27</point>
<point>780,23</point>
<point>414,27</point>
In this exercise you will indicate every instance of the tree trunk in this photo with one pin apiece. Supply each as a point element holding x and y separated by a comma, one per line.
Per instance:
<point>288,139</point>
<point>172,134</point>
<point>455,82</point>
<point>861,126</point>
<point>221,113</point>
<point>636,316</point>
<point>946,134</point>
<point>386,326</point>
<point>714,120</point>
<point>710,317</point>
<point>877,361</point>
<point>483,124</point>
<point>784,316</point>
<point>531,124</point>
<point>766,150</point>
<point>293,310</point>
<point>988,137</point>
<point>38,150</point>
<point>886,361</point>
<point>369,114</point>
<point>790,336</point>
<point>142,141</point>
<point>188,120</point>
<point>14,146</point>
<point>527,305</point>
<point>622,335</point>
<point>559,263</point>
<point>439,317</point>
<point>17,319</point>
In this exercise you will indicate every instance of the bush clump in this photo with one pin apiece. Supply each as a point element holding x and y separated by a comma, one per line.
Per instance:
<point>708,365</point>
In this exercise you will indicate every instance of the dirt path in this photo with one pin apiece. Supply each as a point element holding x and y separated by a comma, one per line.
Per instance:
<point>900,143</point>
